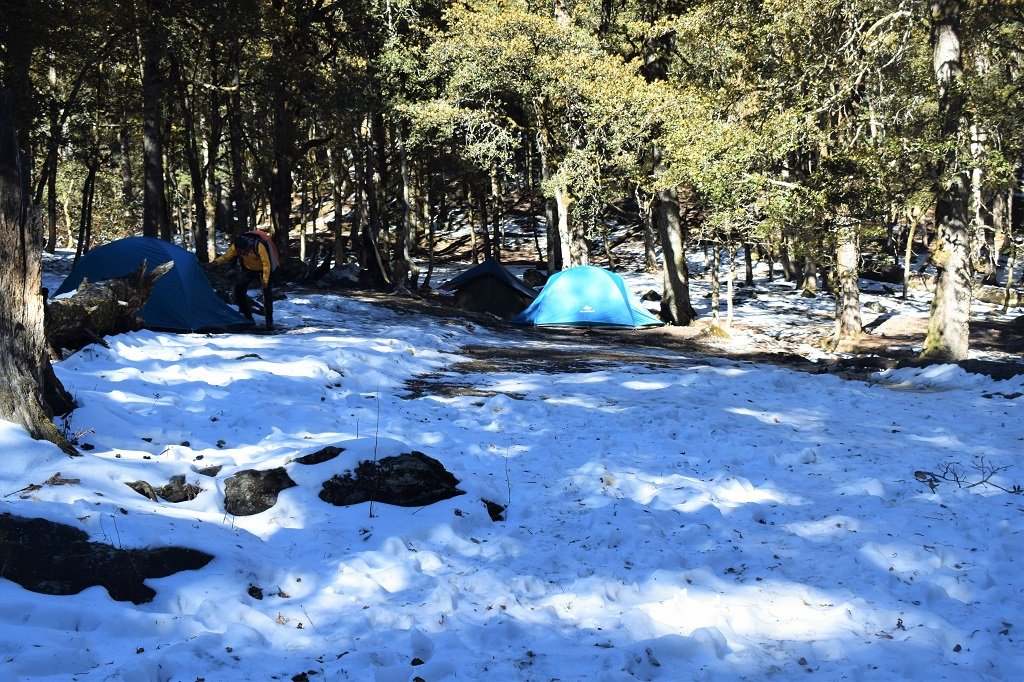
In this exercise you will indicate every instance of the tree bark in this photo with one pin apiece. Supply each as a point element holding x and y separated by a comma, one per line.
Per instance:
<point>238,197</point>
<point>105,309</point>
<point>948,336</point>
<point>195,168</point>
<point>748,264</point>
<point>675,302</point>
<point>155,219</point>
<point>339,190</point>
<point>51,179</point>
<point>403,264</point>
<point>554,244</point>
<point>848,319</point>
<point>285,144</point>
<point>716,283</point>
<point>206,244</point>
<point>29,390</point>
<point>645,203</point>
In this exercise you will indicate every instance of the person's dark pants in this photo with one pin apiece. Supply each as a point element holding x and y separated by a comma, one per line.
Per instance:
<point>246,280</point>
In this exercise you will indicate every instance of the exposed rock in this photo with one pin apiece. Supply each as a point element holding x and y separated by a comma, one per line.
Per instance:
<point>320,456</point>
<point>408,480</point>
<point>175,491</point>
<point>651,295</point>
<point>534,278</point>
<point>344,276</point>
<point>53,558</point>
<point>494,510</point>
<point>251,492</point>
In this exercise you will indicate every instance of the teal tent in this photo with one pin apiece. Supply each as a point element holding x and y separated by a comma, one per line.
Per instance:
<point>182,300</point>
<point>586,296</point>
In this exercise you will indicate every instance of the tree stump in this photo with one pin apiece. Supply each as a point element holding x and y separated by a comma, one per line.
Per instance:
<point>98,310</point>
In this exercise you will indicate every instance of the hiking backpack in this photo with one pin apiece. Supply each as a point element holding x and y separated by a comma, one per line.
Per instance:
<point>268,243</point>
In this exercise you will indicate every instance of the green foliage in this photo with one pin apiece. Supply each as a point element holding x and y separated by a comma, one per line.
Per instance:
<point>780,117</point>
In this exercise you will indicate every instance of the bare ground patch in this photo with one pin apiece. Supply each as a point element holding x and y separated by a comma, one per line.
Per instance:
<point>889,341</point>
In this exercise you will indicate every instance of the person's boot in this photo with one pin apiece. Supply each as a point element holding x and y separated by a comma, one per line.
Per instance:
<point>268,309</point>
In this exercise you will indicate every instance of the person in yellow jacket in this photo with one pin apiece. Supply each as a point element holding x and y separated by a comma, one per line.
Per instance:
<point>254,265</point>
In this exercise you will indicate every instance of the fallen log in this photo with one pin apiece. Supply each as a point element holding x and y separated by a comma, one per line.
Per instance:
<point>98,310</point>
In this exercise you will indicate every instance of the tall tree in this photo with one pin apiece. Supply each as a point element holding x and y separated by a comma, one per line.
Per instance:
<point>155,217</point>
<point>948,336</point>
<point>26,376</point>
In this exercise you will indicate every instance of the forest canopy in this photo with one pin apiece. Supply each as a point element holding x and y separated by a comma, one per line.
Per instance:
<point>816,134</point>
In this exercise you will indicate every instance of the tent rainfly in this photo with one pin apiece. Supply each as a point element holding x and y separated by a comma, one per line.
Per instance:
<point>490,288</point>
<point>586,296</point>
<point>182,300</point>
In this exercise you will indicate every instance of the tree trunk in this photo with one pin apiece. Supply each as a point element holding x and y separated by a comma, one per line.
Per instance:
<point>206,244</point>
<point>195,169</point>
<point>730,284</point>
<point>809,277</point>
<point>573,243</point>
<point>1011,261</point>
<point>948,336</point>
<point>339,191</point>
<point>238,196</point>
<point>370,258</point>
<point>281,181</point>
<point>554,244</point>
<point>675,302</point>
<point>155,220</point>
<point>30,392</point>
<point>496,216</point>
<point>438,191</point>
<point>648,230</point>
<point>125,162</point>
<point>51,179</point>
<point>85,216</point>
<point>848,320</point>
<point>716,284</point>
<point>789,269</point>
<point>403,265</point>
<point>908,255</point>
<point>748,264</point>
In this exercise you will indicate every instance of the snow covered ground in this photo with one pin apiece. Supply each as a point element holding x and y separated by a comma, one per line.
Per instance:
<point>698,520</point>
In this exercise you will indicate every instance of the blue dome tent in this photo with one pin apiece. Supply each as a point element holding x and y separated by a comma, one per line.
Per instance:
<point>586,296</point>
<point>182,300</point>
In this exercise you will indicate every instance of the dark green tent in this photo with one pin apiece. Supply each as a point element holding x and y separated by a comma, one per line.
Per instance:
<point>490,288</point>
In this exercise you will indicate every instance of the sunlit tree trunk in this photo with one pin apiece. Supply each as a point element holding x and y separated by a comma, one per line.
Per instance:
<point>572,243</point>
<point>554,242</point>
<point>848,319</point>
<point>948,336</point>
<point>716,283</point>
<point>675,301</point>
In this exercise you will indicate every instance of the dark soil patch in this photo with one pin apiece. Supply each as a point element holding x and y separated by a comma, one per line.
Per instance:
<point>888,344</point>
